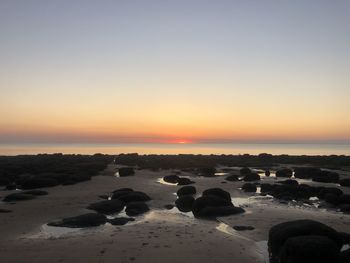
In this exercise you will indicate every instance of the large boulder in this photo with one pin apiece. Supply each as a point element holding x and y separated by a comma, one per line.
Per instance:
<point>306,172</point>
<point>39,183</point>
<point>173,179</point>
<point>218,192</point>
<point>85,220</point>
<point>309,249</point>
<point>126,171</point>
<point>136,208</point>
<point>251,177</point>
<point>184,203</point>
<point>186,190</point>
<point>326,177</point>
<point>289,182</point>
<point>280,233</point>
<point>248,187</point>
<point>18,197</point>
<point>107,207</point>
<point>286,172</point>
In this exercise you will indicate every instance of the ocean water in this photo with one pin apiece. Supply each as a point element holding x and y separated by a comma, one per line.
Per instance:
<point>204,148</point>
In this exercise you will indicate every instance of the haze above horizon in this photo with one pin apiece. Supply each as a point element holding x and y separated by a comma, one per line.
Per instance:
<point>174,71</point>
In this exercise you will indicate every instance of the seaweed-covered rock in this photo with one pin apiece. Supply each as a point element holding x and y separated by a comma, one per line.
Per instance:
<point>280,233</point>
<point>126,171</point>
<point>309,249</point>
<point>344,256</point>
<point>286,172</point>
<point>207,171</point>
<point>186,190</point>
<point>248,187</point>
<point>232,178</point>
<point>184,203</point>
<point>136,208</point>
<point>18,197</point>
<point>289,182</point>
<point>251,177</point>
<point>107,207</point>
<point>184,181</point>
<point>134,196</point>
<point>85,220</point>
<point>173,179</point>
<point>218,192</point>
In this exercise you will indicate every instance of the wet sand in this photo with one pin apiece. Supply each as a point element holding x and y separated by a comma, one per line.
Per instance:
<point>158,236</point>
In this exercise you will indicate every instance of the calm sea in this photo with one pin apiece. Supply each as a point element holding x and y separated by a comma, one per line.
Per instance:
<point>209,148</point>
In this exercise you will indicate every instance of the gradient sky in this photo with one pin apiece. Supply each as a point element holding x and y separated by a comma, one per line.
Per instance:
<point>171,71</point>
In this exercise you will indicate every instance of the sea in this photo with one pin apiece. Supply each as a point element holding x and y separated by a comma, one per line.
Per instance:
<point>187,148</point>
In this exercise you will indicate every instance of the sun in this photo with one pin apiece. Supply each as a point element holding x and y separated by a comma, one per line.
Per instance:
<point>182,141</point>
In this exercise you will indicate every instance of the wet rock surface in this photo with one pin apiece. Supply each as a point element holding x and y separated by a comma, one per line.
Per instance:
<point>81,221</point>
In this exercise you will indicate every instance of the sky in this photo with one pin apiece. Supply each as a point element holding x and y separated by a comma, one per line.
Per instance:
<point>174,71</point>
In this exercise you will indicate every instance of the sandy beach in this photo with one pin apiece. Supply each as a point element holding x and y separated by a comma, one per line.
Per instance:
<point>157,236</point>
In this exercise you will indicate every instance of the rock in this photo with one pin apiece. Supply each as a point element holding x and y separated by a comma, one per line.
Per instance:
<point>186,190</point>
<point>11,186</point>
<point>244,171</point>
<point>4,181</point>
<point>265,188</point>
<point>345,208</point>
<point>309,249</point>
<point>184,203</point>
<point>251,177</point>
<point>280,233</point>
<point>345,182</point>
<point>35,192</point>
<point>329,190</point>
<point>126,171</point>
<point>248,187</point>
<point>136,208</point>
<point>232,178</point>
<point>326,177</point>
<point>267,173</point>
<point>105,197</point>
<point>120,192</point>
<point>331,198</point>
<point>243,228</point>
<point>344,256</point>
<point>289,182</point>
<point>18,197</point>
<point>85,220</point>
<point>173,179</point>
<point>344,199</point>
<point>184,181</point>
<point>206,201</point>
<point>286,172</point>
<point>212,211</point>
<point>134,197</point>
<point>5,210</point>
<point>107,207</point>
<point>120,221</point>
<point>217,192</point>
<point>306,172</point>
<point>39,183</point>
<point>169,207</point>
<point>207,171</point>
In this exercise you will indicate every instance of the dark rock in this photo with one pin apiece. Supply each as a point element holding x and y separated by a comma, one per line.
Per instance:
<point>186,190</point>
<point>265,188</point>
<point>344,256</point>
<point>184,181</point>
<point>169,207</point>
<point>280,233</point>
<point>232,178</point>
<point>286,172</point>
<point>329,190</point>
<point>217,192</point>
<point>248,187</point>
<point>267,173</point>
<point>326,177</point>
<point>208,201</point>
<point>345,182</point>
<point>212,211</point>
<point>120,221</point>
<point>344,199</point>
<point>244,171</point>
<point>134,197</point>
<point>173,179</point>
<point>251,177</point>
<point>11,186</point>
<point>35,192</point>
<point>18,197</point>
<point>136,208</point>
<point>332,199</point>
<point>126,171</point>
<point>86,220</point>
<point>207,171</point>
<point>107,207</point>
<point>4,181</point>
<point>306,172</point>
<point>289,182</point>
<point>243,228</point>
<point>345,208</point>
<point>5,210</point>
<point>184,203</point>
<point>39,183</point>
<point>309,249</point>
